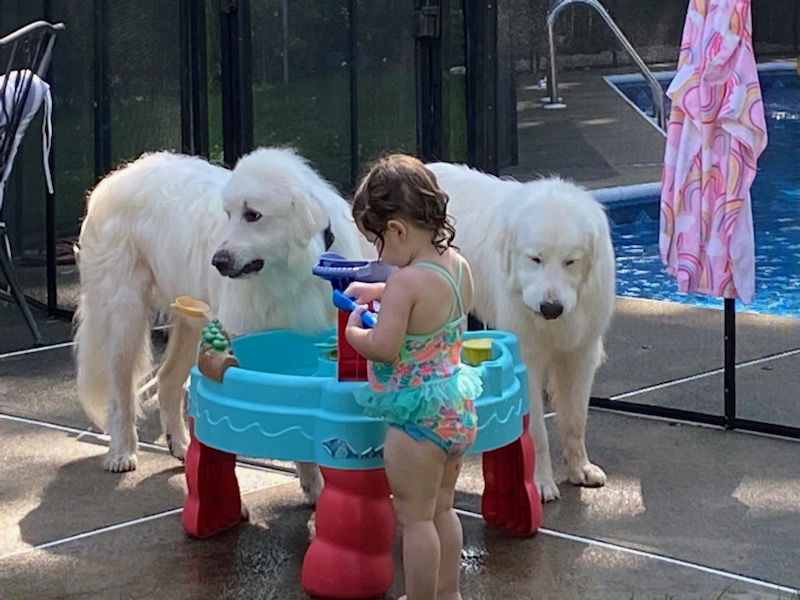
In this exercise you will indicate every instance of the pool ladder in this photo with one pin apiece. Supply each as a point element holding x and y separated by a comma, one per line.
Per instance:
<point>553,101</point>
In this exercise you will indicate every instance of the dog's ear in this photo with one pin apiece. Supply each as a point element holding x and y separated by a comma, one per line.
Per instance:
<point>309,216</point>
<point>308,221</point>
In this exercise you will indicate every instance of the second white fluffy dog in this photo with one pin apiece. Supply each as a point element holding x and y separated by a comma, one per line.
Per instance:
<point>543,263</point>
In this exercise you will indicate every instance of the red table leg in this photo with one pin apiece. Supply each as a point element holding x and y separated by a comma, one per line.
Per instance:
<point>212,501</point>
<point>350,365</point>
<point>510,499</point>
<point>350,556</point>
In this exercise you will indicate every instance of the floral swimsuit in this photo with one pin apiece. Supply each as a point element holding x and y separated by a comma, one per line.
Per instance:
<point>426,391</point>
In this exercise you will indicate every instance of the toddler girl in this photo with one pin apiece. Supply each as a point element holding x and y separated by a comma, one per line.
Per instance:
<point>417,382</point>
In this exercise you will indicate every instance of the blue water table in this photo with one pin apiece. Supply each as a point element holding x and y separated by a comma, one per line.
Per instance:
<point>276,395</point>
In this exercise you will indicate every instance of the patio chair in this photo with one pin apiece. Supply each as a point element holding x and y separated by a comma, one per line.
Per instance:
<point>23,91</point>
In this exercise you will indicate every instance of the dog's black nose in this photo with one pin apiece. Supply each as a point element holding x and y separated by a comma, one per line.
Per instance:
<point>222,261</point>
<point>551,310</point>
<point>254,266</point>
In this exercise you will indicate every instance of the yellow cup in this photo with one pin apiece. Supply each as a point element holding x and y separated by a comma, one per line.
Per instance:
<point>191,307</point>
<point>477,350</point>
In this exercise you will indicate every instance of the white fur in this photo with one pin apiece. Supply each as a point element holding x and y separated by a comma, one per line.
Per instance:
<point>151,230</point>
<point>501,226</point>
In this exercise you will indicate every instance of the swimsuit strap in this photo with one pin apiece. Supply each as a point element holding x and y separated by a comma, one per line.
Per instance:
<point>454,283</point>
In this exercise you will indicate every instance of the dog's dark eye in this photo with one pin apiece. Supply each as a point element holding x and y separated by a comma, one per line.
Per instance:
<point>569,263</point>
<point>251,216</point>
<point>536,260</point>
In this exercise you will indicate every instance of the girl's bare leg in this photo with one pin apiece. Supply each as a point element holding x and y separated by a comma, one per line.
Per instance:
<point>451,537</point>
<point>415,471</point>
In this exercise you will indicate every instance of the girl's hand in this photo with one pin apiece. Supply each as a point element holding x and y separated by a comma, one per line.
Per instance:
<point>364,293</point>
<point>354,320</point>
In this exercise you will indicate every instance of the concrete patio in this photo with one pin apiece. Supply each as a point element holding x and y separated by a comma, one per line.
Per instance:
<point>688,511</point>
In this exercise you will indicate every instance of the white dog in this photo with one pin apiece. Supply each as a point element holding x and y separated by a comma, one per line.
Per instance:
<point>543,264</point>
<point>152,231</point>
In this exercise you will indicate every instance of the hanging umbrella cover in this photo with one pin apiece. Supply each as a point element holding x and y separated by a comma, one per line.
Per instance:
<point>715,135</point>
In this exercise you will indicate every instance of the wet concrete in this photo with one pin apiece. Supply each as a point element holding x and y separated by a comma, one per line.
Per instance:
<point>41,385</point>
<point>765,392</point>
<point>261,560</point>
<point>16,335</point>
<point>652,342</point>
<point>724,499</point>
<point>54,486</point>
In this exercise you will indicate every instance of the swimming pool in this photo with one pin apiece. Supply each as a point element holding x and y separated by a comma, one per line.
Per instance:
<point>776,209</point>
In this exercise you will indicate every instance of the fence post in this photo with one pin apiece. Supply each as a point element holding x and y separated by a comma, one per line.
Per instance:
<point>428,67</point>
<point>102,93</point>
<point>194,81</point>
<point>730,363</point>
<point>237,79</point>
<point>480,33</point>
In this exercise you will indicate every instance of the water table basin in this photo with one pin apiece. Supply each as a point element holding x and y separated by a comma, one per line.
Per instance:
<point>283,402</point>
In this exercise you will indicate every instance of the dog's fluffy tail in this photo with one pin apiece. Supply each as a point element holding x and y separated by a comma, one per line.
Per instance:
<point>94,365</point>
<point>113,318</point>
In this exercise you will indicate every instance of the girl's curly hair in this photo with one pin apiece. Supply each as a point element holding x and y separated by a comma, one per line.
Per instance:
<point>399,185</point>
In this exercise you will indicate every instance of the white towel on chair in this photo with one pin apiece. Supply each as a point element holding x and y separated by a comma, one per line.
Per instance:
<point>39,93</point>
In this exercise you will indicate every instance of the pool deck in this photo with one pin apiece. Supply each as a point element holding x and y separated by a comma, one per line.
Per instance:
<point>598,140</point>
<point>688,512</point>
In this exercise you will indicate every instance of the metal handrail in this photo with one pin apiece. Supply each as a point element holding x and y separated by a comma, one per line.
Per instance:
<point>552,83</point>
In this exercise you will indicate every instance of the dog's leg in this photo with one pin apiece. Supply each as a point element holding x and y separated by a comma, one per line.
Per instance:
<point>573,375</point>
<point>310,480</point>
<point>127,352</point>
<point>543,468</point>
<point>178,359</point>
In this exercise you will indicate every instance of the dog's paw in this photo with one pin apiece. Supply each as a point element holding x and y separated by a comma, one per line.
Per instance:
<point>547,488</point>
<point>178,444</point>
<point>587,475</point>
<point>120,462</point>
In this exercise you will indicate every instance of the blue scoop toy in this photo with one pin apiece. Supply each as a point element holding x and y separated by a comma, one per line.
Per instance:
<point>342,272</point>
<point>344,303</point>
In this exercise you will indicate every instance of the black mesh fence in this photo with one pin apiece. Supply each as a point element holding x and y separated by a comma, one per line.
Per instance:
<point>301,80</point>
<point>335,80</point>
<point>386,79</point>
<point>144,64</point>
<point>140,48</point>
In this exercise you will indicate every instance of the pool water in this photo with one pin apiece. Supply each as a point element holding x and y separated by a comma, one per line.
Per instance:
<point>776,213</point>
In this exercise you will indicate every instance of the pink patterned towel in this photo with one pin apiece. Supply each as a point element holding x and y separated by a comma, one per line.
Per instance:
<point>715,134</point>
